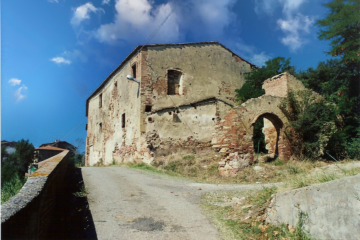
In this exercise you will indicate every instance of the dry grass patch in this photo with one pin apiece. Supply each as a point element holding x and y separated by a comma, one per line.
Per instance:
<point>241,215</point>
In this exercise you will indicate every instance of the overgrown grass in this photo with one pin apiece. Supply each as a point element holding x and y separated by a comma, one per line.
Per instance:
<point>11,188</point>
<point>240,217</point>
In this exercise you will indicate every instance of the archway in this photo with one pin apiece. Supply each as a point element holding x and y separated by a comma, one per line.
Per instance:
<point>271,129</point>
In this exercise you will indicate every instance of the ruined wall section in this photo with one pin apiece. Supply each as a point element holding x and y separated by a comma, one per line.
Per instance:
<point>281,84</point>
<point>234,133</point>
<point>209,76</point>
<point>107,136</point>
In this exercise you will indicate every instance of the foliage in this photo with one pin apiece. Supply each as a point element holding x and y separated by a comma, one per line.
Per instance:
<point>254,79</point>
<point>13,168</point>
<point>342,27</point>
<point>259,137</point>
<point>77,160</point>
<point>310,123</point>
<point>11,187</point>
<point>353,146</point>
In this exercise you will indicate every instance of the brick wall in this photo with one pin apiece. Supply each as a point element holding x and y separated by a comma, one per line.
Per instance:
<point>30,214</point>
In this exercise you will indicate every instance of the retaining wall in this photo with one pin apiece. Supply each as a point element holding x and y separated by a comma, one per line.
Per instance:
<point>30,214</point>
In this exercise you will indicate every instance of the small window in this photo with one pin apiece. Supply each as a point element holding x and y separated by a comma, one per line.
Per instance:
<point>115,83</point>
<point>133,67</point>
<point>174,82</point>
<point>150,120</point>
<point>86,126</point>
<point>100,126</point>
<point>148,108</point>
<point>123,120</point>
<point>100,100</point>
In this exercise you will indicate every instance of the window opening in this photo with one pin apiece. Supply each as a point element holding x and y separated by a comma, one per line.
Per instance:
<point>148,108</point>
<point>100,100</point>
<point>123,120</point>
<point>174,86</point>
<point>134,70</point>
<point>150,120</point>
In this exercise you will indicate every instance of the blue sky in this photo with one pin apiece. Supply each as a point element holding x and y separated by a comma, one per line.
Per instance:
<point>55,53</point>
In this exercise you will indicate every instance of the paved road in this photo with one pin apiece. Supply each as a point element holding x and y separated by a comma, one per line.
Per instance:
<point>133,204</point>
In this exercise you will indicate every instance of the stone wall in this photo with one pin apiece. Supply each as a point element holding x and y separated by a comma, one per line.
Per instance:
<point>29,214</point>
<point>329,211</point>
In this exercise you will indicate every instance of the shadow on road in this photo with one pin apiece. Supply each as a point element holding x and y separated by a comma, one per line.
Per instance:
<point>73,218</point>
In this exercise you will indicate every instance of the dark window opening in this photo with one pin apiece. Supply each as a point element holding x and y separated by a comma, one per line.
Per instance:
<point>100,126</point>
<point>150,120</point>
<point>174,87</point>
<point>176,118</point>
<point>115,84</point>
<point>86,126</point>
<point>169,113</point>
<point>148,108</point>
<point>123,120</point>
<point>134,70</point>
<point>100,100</point>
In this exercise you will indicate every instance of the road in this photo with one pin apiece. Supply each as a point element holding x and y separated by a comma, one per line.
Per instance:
<point>134,204</point>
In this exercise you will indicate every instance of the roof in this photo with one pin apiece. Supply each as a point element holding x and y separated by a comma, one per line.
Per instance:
<point>50,148</point>
<point>136,50</point>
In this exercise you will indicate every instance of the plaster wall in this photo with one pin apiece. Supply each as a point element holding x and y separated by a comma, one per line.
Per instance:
<point>106,134</point>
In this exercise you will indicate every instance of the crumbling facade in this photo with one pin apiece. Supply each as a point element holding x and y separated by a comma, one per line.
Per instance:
<point>184,91</point>
<point>185,100</point>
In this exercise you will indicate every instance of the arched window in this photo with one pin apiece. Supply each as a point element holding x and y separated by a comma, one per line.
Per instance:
<point>174,82</point>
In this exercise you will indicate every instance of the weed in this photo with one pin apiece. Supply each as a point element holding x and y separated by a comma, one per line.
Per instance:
<point>278,162</point>
<point>172,166</point>
<point>189,157</point>
<point>82,193</point>
<point>293,169</point>
<point>299,230</point>
<point>326,177</point>
<point>11,188</point>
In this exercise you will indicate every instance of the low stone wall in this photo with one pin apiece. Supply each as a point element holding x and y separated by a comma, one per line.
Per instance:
<point>329,211</point>
<point>29,214</point>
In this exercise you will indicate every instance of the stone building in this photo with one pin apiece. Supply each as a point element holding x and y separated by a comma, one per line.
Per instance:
<point>184,93</point>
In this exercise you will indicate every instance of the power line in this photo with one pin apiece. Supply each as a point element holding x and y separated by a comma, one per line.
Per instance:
<point>73,129</point>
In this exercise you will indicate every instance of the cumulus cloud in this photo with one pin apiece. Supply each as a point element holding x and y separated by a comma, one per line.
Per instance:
<point>265,6</point>
<point>19,95</point>
<point>83,12</point>
<point>136,20</point>
<point>14,81</point>
<point>60,60</point>
<point>251,53</point>
<point>293,24</point>
<point>293,27</point>
<point>105,2</point>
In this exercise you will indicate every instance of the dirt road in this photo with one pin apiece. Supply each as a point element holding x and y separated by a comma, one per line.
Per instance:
<point>133,204</point>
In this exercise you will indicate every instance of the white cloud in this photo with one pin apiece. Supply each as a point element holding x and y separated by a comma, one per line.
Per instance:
<point>265,6</point>
<point>105,2</point>
<point>136,20</point>
<point>73,55</point>
<point>60,60</point>
<point>53,1</point>
<point>251,54</point>
<point>14,81</point>
<point>292,28</point>
<point>83,12</point>
<point>19,93</point>
<point>259,59</point>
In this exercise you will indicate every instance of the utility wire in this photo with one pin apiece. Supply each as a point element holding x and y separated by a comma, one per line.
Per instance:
<point>73,129</point>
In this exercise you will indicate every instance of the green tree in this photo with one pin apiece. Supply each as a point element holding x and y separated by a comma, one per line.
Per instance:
<point>252,88</point>
<point>311,123</point>
<point>342,27</point>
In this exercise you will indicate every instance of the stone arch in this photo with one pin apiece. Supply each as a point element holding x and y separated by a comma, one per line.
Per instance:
<point>235,131</point>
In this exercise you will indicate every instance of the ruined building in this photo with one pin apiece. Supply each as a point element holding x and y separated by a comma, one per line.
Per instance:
<point>185,99</point>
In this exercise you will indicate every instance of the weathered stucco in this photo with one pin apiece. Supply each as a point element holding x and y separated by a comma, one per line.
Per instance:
<point>185,100</point>
<point>209,74</point>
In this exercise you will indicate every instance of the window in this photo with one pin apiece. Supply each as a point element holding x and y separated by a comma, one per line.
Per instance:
<point>123,120</point>
<point>148,108</point>
<point>100,100</point>
<point>174,83</point>
<point>133,67</point>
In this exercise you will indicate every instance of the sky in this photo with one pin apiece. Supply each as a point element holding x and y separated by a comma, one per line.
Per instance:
<point>55,53</point>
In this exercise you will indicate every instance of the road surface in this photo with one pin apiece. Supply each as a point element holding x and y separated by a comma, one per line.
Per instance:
<point>133,204</point>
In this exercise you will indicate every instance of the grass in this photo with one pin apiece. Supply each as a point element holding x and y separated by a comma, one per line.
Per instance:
<point>82,193</point>
<point>240,215</point>
<point>11,188</point>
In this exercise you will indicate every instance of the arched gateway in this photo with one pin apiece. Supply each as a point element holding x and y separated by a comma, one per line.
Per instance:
<point>234,138</point>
